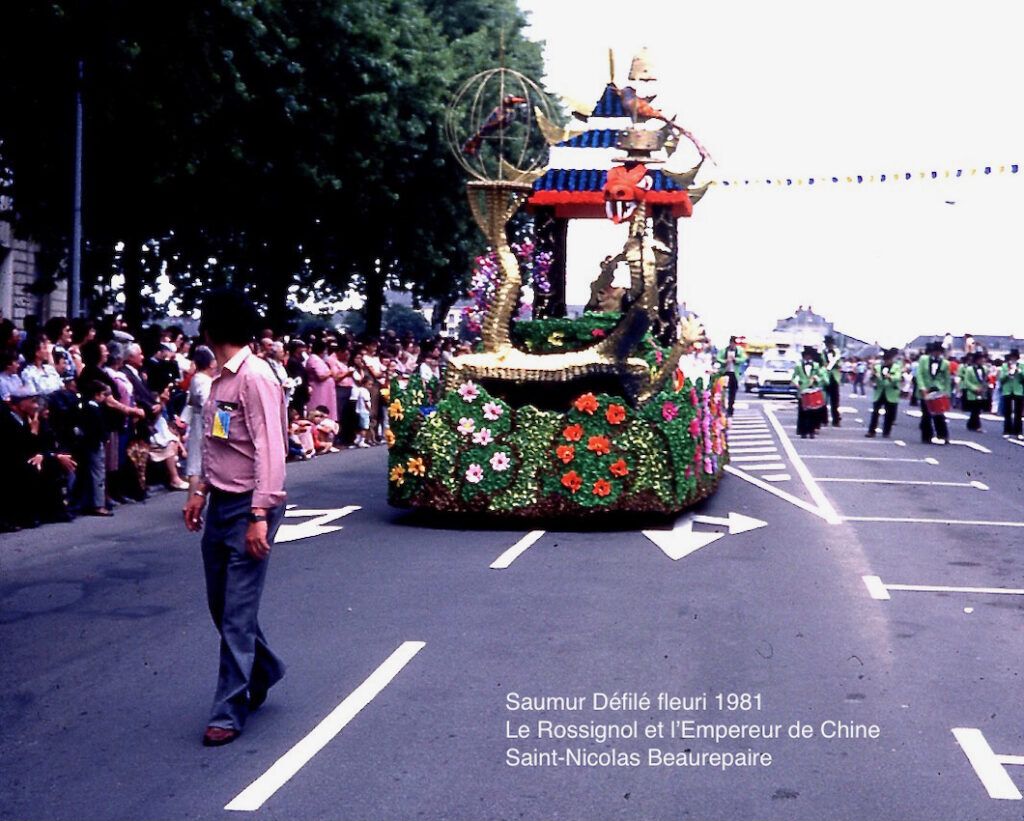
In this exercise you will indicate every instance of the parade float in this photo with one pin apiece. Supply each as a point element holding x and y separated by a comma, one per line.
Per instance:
<point>557,416</point>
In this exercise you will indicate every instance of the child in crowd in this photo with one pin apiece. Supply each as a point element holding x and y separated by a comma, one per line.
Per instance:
<point>361,396</point>
<point>90,490</point>
<point>325,430</point>
<point>301,444</point>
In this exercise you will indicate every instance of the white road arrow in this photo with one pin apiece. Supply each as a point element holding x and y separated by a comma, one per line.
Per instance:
<point>317,526</point>
<point>682,539</point>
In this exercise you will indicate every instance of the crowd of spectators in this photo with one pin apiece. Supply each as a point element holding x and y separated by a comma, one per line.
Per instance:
<point>96,415</point>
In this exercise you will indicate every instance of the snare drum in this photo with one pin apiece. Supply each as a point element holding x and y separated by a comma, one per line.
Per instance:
<point>937,403</point>
<point>812,399</point>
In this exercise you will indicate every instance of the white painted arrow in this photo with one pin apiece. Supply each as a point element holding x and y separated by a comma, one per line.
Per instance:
<point>682,539</point>
<point>737,522</point>
<point>317,526</point>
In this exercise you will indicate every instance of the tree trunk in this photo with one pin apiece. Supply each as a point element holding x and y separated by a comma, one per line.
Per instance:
<point>131,267</point>
<point>373,310</point>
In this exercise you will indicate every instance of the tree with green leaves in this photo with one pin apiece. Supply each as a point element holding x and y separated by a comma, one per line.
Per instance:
<point>292,149</point>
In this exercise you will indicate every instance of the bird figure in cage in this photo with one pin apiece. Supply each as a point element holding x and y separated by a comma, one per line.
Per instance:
<point>500,118</point>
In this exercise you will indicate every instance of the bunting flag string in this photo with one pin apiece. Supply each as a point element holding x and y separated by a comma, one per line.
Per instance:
<point>859,179</point>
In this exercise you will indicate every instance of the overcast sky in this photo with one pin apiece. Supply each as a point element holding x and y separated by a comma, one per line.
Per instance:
<point>801,89</point>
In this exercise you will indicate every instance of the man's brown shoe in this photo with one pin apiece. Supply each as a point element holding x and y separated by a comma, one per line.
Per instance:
<point>219,736</point>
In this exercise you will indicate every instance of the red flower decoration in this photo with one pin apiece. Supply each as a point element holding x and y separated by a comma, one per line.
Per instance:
<point>615,414</point>
<point>573,433</point>
<point>566,453</point>
<point>599,444</point>
<point>602,487</point>
<point>669,411</point>
<point>619,468</point>
<point>597,333</point>
<point>586,403</point>
<point>572,480</point>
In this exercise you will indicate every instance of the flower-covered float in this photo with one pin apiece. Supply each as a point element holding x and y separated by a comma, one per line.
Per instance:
<point>555,416</point>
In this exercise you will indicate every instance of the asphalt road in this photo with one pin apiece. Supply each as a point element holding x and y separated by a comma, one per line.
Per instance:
<point>109,657</point>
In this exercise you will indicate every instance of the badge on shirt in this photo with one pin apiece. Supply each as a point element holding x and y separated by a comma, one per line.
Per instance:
<point>222,420</point>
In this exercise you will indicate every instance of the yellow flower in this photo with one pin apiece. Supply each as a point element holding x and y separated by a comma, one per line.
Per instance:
<point>557,339</point>
<point>397,475</point>
<point>416,466</point>
<point>389,437</point>
<point>395,410</point>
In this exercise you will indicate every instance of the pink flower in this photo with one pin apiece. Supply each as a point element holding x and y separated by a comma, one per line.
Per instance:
<point>475,474</point>
<point>597,333</point>
<point>468,391</point>
<point>483,437</point>
<point>658,356</point>
<point>492,411</point>
<point>500,461</point>
<point>466,426</point>
<point>708,467</point>
<point>669,411</point>
<point>693,397</point>
<point>694,427</point>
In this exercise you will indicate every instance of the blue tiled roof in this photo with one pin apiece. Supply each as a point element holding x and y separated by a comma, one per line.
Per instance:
<point>562,179</point>
<point>609,105</point>
<point>598,138</point>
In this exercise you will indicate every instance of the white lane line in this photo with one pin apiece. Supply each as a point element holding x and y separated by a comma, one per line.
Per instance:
<point>514,552</point>
<point>972,445</point>
<point>751,437</point>
<point>919,521</point>
<point>852,440</point>
<point>1016,442</point>
<point>975,484</point>
<point>752,457</point>
<point>880,590</point>
<point>987,764</point>
<point>757,449</point>
<point>281,771</point>
<point>824,505</point>
<point>991,417</point>
<point>928,460</point>
<point>793,500</point>
<point>777,477</point>
<point>767,466</point>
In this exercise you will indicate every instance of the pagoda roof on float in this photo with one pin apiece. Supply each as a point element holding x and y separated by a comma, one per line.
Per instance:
<point>578,167</point>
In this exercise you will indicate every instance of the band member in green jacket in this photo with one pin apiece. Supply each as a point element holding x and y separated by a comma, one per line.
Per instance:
<point>832,357</point>
<point>933,377</point>
<point>886,381</point>
<point>975,387</point>
<point>1011,385</point>
<point>730,363</point>
<point>808,374</point>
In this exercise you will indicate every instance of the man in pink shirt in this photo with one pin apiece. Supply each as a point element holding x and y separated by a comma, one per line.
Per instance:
<point>244,448</point>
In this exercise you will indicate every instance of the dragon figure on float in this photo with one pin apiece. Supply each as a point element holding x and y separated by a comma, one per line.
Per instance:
<point>558,416</point>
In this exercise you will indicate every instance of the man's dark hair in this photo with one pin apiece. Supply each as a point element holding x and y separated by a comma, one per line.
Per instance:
<point>323,409</point>
<point>228,317</point>
<point>91,352</point>
<point>95,387</point>
<point>54,327</point>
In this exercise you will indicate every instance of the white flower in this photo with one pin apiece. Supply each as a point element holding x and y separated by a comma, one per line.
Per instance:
<point>468,391</point>
<point>492,411</point>
<point>483,437</point>
<point>500,461</point>
<point>466,426</point>
<point>475,474</point>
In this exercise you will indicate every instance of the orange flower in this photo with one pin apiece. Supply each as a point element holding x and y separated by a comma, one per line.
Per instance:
<point>586,403</point>
<point>599,444</point>
<point>615,414</point>
<point>573,433</point>
<point>572,480</point>
<point>619,468</point>
<point>566,453</point>
<point>602,487</point>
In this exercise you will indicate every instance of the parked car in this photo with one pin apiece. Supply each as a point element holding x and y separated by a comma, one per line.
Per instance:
<point>776,377</point>
<point>752,374</point>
